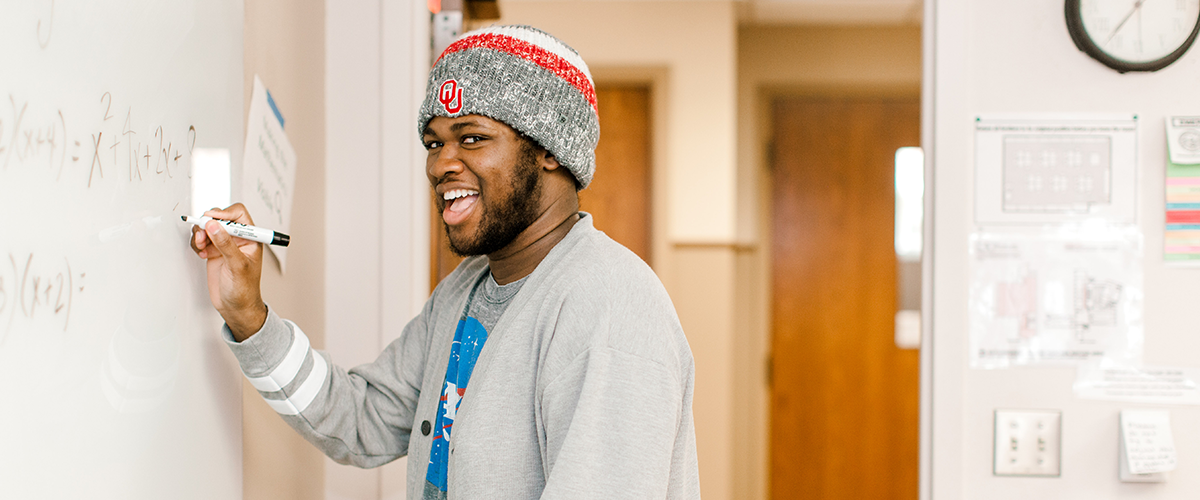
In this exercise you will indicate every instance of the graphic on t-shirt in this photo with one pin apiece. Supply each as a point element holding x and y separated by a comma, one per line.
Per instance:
<point>451,396</point>
<point>469,338</point>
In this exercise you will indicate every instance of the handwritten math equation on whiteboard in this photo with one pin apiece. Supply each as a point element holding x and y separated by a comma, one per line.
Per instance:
<point>37,291</point>
<point>92,145</point>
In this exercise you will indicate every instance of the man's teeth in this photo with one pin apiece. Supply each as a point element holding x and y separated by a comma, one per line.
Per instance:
<point>457,193</point>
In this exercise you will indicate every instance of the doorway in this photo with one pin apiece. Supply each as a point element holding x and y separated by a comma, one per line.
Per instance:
<point>844,398</point>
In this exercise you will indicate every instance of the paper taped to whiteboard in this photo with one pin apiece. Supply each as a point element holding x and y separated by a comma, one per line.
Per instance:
<point>268,169</point>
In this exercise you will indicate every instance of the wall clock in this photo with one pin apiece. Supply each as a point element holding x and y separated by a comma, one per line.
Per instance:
<point>1134,35</point>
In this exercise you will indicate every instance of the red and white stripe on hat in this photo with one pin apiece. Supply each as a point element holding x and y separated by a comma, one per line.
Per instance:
<point>534,46</point>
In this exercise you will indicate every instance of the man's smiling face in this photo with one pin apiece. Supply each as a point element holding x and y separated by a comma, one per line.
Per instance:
<point>486,180</point>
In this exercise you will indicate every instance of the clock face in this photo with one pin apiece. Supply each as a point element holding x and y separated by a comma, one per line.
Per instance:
<point>1139,31</point>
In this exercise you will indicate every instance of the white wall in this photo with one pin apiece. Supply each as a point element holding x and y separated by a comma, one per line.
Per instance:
<point>283,44</point>
<point>1016,56</point>
<point>377,198</point>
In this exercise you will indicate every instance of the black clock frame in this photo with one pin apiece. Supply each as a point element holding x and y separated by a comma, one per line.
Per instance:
<point>1084,43</point>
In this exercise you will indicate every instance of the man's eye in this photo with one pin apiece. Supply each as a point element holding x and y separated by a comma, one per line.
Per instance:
<point>471,139</point>
<point>432,145</point>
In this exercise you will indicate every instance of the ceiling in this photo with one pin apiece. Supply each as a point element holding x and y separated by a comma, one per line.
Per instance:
<point>813,12</point>
<point>831,12</point>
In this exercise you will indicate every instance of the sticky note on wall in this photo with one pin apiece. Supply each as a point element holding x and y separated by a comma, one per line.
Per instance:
<point>1147,446</point>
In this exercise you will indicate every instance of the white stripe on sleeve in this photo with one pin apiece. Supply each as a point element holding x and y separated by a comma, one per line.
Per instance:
<point>283,374</point>
<point>307,391</point>
<point>282,406</point>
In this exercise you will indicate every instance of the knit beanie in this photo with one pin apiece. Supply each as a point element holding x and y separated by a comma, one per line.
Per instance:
<point>527,79</point>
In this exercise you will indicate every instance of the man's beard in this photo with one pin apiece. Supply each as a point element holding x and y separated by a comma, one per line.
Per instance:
<point>500,221</point>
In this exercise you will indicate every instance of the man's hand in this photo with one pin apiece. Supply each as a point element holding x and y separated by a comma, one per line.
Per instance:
<point>234,271</point>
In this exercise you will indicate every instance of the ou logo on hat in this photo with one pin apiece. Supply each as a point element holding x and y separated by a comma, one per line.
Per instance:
<point>450,95</point>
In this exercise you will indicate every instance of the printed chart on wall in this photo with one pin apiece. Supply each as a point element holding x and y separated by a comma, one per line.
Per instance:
<point>1048,169</point>
<point>1055,296</point>
<point>114,382</point>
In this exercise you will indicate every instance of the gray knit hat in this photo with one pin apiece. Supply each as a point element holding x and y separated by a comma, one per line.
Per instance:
<point>527,79</point>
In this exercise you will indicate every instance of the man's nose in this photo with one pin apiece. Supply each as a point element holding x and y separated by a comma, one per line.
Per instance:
<point>445,162</point>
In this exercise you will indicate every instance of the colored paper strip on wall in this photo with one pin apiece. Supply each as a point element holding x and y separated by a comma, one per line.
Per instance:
<point>1181,237</point>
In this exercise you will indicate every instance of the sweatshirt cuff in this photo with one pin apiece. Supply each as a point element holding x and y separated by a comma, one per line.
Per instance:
<point>265,349</point>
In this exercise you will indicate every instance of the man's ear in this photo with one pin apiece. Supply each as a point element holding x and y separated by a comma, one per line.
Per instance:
<point>547,160</point>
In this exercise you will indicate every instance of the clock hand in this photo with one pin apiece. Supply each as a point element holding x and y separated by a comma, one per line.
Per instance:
<point>1136,5</point>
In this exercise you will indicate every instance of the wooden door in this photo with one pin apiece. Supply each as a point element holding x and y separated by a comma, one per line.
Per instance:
<point>618,197</point>
<point>844,405</point>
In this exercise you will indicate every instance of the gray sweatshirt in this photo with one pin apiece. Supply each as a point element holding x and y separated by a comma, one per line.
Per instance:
<point>583,389</point>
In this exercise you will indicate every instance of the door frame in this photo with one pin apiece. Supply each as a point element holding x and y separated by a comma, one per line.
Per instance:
<point>754,315</point>
<point>378,283</point>
<point>654,77</point>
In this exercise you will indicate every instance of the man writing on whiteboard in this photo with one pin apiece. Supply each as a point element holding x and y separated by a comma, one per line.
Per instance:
<point>549,364</point>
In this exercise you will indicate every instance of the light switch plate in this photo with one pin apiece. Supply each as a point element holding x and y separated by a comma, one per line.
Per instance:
<point>1027,443</point>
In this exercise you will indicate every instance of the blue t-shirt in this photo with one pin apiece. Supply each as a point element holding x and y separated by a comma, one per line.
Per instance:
<point>484,307</point>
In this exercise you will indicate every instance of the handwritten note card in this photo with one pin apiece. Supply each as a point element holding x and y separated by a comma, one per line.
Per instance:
<point>268,168</point>
<point>1146,443</point>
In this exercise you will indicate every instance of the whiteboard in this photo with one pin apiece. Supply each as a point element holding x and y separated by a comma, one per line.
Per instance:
<point>114,383</point>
